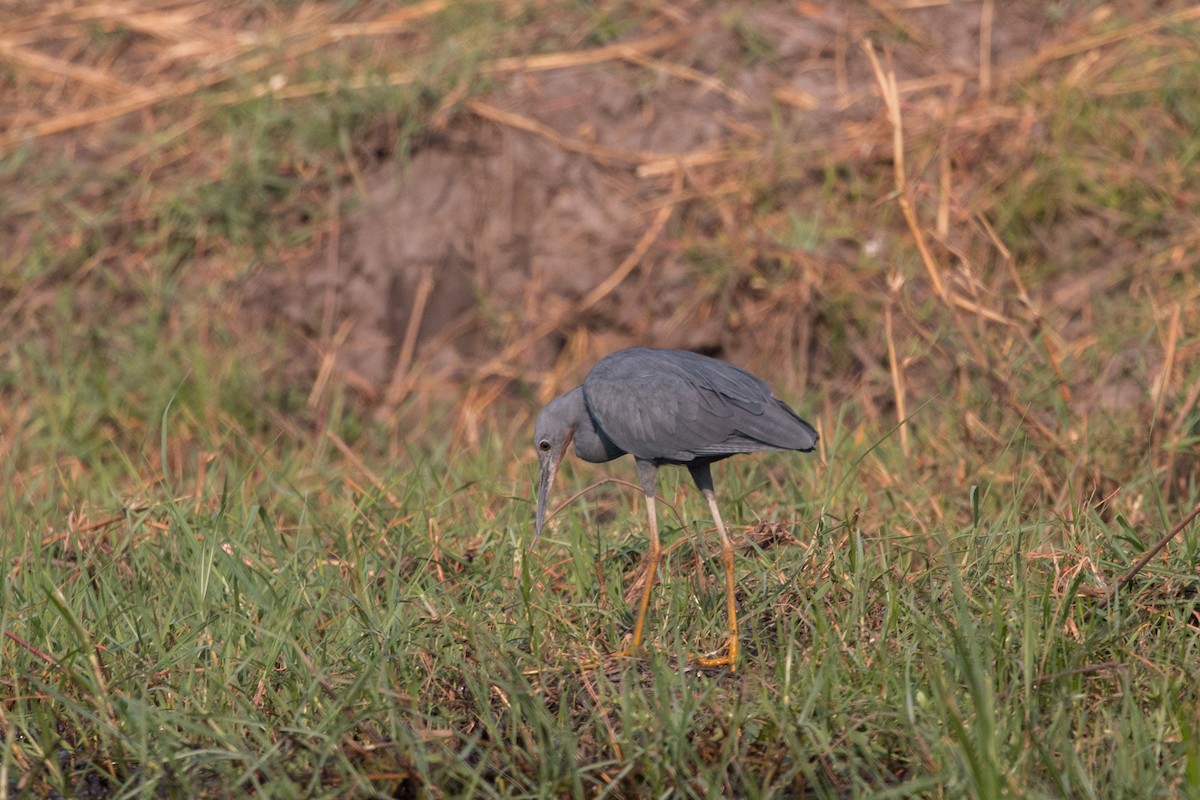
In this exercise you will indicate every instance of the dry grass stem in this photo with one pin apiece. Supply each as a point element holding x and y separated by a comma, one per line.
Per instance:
<point>887,10</point>
<point>598,55</point>
<point>987,13</point>
<point>1150,554</point>
<point>897,378</point>
<point>394,394</point>
<point>357,462</point>
<point>602,153</point>
<point>886,81</point>
<point>1134,31</point>
<point>709,82</point>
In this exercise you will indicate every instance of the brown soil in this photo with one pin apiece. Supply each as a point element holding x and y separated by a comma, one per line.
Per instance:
<point>492,228</point>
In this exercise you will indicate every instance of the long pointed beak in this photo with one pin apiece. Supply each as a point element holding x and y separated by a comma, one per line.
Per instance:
<point>549,469</point>
<point>549,462</point>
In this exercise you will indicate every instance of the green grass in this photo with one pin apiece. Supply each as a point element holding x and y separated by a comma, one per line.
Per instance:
<point>265,629</point>
<point>202,596</point>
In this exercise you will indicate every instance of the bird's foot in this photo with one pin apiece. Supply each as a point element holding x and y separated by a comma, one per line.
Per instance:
<point>727,660</point>
<point>594,663</point>
<point>625,652</point>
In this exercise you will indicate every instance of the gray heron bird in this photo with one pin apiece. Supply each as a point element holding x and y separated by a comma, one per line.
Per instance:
<point>667,407</point>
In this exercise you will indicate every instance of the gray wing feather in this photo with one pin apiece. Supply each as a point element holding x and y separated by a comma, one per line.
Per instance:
<point>679,406</point>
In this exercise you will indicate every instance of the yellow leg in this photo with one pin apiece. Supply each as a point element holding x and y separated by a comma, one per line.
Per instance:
<point>652,557</point>
<point>648,474</point>
<point>731,654</point>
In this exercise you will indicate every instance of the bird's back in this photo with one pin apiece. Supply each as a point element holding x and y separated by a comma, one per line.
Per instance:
<point>673,406</point>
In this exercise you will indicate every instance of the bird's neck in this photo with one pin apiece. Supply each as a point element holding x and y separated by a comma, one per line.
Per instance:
<point>590,442</point>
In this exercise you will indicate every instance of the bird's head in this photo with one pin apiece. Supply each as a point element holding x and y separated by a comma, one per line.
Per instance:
<point>551,436</point>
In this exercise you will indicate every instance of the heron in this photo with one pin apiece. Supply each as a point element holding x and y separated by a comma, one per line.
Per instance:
<point>667,407</point>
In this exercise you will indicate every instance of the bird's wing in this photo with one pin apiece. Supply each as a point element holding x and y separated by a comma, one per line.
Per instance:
<point>664,404</point>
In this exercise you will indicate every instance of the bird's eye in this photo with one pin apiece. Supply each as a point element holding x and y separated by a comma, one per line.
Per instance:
<point>544,445</point>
